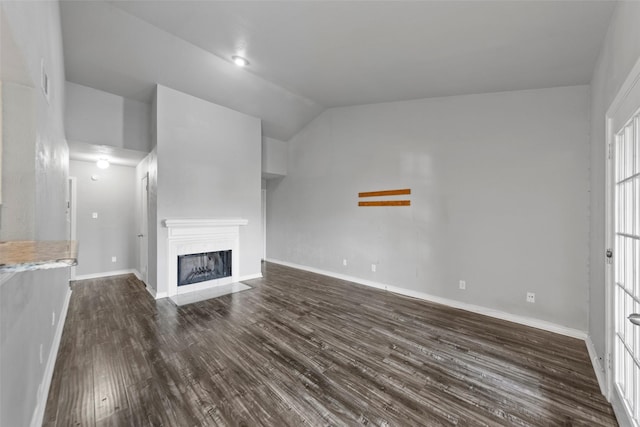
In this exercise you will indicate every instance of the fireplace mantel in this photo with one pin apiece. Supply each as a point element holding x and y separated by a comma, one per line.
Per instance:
<point>198,235</point>
<point>204,222</point>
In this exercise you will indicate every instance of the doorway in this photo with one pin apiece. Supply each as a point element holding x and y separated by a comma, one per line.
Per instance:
<point>143,240</point>
<point>623,239</point>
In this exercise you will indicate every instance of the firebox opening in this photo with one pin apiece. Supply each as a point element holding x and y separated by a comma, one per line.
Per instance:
<point>195,268</point>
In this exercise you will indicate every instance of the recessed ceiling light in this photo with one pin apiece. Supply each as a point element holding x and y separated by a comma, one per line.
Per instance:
<point>103,163</point>
<point>240,61</point>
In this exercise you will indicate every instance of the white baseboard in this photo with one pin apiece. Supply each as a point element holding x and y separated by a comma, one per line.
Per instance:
<point>598,368</point>
<point>151,291</point>
<point>107,274</point>
<point>250,277</point>
<point>154,294</point>
<point>43,390</point>
<point>133,271</point>
<point>523,320</point>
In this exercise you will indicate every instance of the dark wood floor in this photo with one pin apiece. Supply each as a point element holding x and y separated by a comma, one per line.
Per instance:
<point>303,349</point>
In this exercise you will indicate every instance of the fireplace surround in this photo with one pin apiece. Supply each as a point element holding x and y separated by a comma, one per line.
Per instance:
<point>192,240</point>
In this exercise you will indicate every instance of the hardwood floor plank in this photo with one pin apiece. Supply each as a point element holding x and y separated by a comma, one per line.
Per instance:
<point>75,402</point>
<point>303,349</point>
<point>109,387</point>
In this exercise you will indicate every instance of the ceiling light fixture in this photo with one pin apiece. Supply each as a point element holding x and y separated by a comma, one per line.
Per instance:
<point>103,163</point>
<point>240,61</point>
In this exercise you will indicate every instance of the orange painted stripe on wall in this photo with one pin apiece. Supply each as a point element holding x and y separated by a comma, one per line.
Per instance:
<point>386,203</point>
<point>385,193</point>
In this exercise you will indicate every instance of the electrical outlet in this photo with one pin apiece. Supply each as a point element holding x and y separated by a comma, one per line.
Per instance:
<point>344,262</point>
<point>53,318</point>
<point>94,215</point>
<point>113,259</point>
<point>463,285</point>
<point>531,297</point>
<point>41,355</point>
<point>373,268</point>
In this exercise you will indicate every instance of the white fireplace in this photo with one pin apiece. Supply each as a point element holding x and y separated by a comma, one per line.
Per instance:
<point>193,242</point>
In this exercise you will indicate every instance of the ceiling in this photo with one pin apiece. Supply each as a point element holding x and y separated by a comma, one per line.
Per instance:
<point>116,155</point>
<point>310,55</point>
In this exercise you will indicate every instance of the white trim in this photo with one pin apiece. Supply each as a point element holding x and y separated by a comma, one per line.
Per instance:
<point>143,230</point>
<point>133,271</point>
<point>263,221</point>
<point>523,320</point>
<point>154,294</point>
<point>204,222</point>
<point>608,243</point>
<point>107,274</point>
<point>151,291</point>
<point>192,236</point>
<point>597,366</point>
<point>73,218</point>
<point>250,277</point>
<point>632,79</point>
<point>43,390</point>
<point>617,107</point>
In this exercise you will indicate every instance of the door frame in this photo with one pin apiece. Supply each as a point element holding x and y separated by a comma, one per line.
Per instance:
<point>143,241</point>
<point>632,82</point>
<point>264,224</point>
<point>72,185</point>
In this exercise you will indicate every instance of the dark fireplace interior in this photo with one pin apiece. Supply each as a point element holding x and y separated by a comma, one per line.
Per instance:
<point>194,268</point>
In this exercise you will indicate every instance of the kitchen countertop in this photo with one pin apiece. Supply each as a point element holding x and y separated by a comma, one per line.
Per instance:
<point>28,255</point>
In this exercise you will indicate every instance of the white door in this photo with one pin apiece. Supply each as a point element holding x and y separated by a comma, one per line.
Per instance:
<point>623,129</point>
<point>144,228</point>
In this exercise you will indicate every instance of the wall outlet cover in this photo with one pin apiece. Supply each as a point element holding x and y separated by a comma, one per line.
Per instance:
<point>463,284</point>
<point>531,297</point>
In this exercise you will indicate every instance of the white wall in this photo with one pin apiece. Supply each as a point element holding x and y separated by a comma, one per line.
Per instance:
<point>620,51</point>
<point>27,300</point>
<point>209,161</point>
<point>499,198</point>
<point>18,166</point>
<point>113,197</point>
<point>274,158</point>
<point>102,118</point>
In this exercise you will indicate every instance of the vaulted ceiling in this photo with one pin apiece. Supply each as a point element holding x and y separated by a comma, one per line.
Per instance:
<point>309,55</point>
